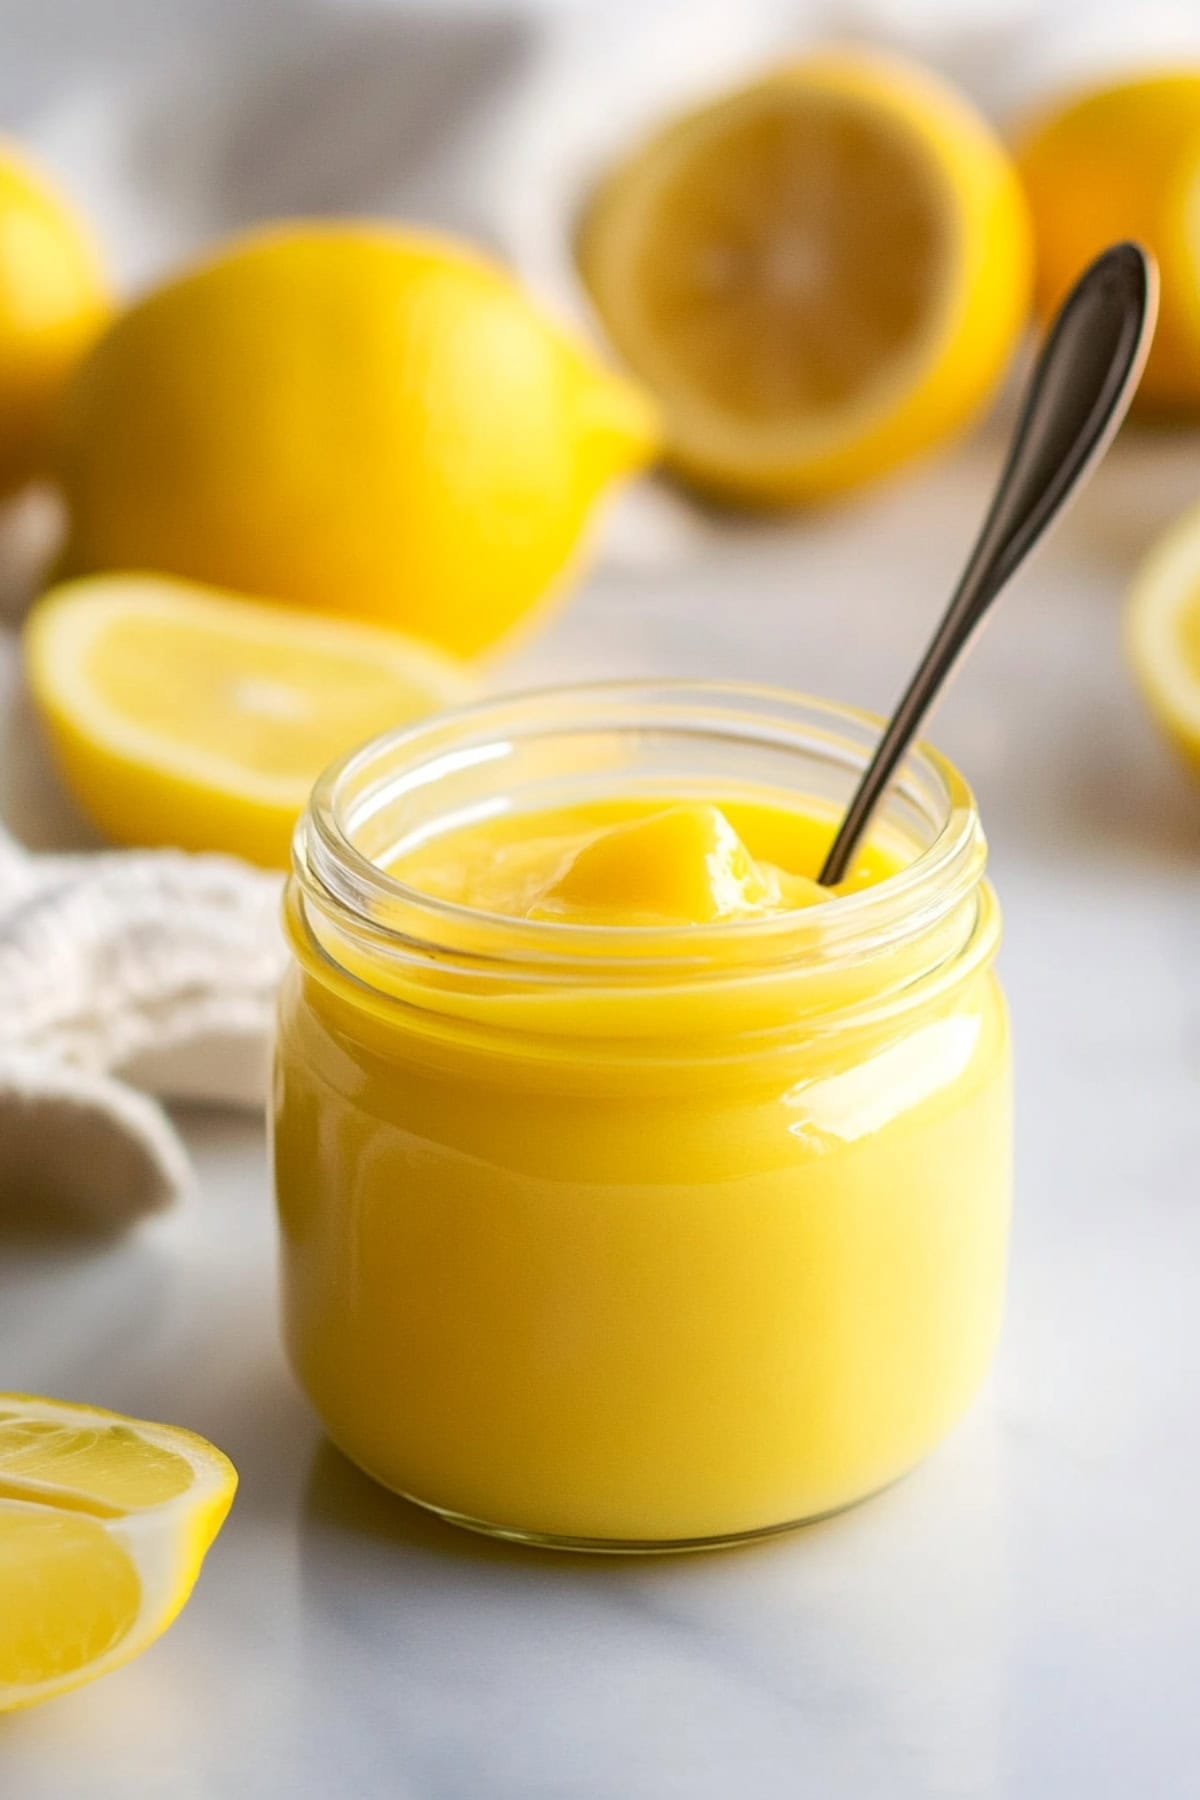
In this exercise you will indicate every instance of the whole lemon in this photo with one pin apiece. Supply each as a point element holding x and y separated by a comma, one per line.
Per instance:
<point>357,418</point>
<point>52,301</point>
<point>1122,160</point>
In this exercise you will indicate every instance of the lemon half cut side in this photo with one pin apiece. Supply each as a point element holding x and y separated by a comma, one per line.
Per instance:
<point>183,716</point>
<point>104,1524</point>
<point>819,275</point>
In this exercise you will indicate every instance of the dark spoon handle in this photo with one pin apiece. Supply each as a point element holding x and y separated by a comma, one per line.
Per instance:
<point>1078,394</point>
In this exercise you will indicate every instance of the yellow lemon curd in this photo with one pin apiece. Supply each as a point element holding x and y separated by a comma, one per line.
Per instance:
<point>690,1227</point>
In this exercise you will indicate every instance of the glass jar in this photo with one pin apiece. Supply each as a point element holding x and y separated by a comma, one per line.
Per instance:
<point>636,1237</point>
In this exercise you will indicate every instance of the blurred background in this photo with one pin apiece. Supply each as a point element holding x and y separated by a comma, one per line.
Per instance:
<point>742,541</point>
<point>173,123</point>
<point>178,121</point>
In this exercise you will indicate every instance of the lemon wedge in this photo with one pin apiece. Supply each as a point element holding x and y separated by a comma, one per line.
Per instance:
<point>1162,633</point>
<point>819,275</point>
<point>104,1524</point>
<point>179,715</point>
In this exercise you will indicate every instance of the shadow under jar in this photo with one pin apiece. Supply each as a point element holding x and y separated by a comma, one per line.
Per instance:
<point>638,1237</point>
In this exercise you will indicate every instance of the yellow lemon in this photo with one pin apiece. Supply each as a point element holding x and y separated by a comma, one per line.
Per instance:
<point>179,715</point>
<point>1162,633</point>
<point>354,418</point>
<point>819,275</point>
<point>52,302</point>
<point>104,1523</point>
<point>1123,161</point>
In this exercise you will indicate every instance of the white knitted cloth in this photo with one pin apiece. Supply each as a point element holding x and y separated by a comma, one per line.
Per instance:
<point>124,976</point>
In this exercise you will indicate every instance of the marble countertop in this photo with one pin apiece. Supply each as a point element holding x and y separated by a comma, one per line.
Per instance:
<point>1020,1617</point>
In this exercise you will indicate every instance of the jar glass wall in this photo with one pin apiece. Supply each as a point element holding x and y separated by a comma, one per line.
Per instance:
<point>639,1237</point>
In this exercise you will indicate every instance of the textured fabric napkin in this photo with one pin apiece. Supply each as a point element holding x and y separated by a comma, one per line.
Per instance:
<point>124,976</point>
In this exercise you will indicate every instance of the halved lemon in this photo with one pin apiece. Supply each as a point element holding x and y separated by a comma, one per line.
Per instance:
<point>181,715</point>
<point>819,275</point>
<point>104,1523</point>
<point>1162,633</point>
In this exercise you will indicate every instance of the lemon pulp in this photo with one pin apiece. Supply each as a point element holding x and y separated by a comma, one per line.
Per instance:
<point>182,715</point>
<point>772,295</point>
<point>819,275</point>
<point>104,1523</point>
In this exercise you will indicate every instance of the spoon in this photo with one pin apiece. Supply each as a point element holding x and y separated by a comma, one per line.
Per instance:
<point>1077,396</point>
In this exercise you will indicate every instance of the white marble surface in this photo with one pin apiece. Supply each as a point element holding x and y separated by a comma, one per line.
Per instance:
<point>1020,1618</point>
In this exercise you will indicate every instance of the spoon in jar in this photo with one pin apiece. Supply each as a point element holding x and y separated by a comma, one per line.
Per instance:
<point>1079,392</point>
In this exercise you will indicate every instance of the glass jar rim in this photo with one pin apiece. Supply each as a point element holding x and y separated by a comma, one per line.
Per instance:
<point>334,873</point>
